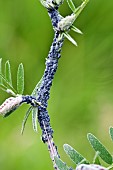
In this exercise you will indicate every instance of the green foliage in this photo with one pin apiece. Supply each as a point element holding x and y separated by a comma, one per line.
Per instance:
<point>8,72</point>
<point>34,118</point>
<point>92,64</point>
<point>34,93</point>
<point>61,165</point>
<point>25,119</point>
<point>77,158</point>
<point>100,148</point>
<point>6,79</point>
<point>34,110</point>
<point>6,85</point>
<point>96,158</point>
<point>65,24</point>
<point>71,5</point>
<point>70,38</point>
<point>0,70</point>
<point>79,9</point>
<point>76,29</point>
<point>20,79</point>
<point>70,20</point>
<point>111,132</point>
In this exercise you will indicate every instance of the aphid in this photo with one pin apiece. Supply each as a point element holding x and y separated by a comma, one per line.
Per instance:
<point>66,22</point>
<point>90,167</point>
<point>10,105</point>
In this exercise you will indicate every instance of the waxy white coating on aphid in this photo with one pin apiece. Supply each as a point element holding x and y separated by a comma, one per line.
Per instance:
<point>66,22</point>
<point>90,167</point>
<point>10,104</point>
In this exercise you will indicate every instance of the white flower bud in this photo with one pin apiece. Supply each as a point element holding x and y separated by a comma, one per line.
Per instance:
<point>66,23</point>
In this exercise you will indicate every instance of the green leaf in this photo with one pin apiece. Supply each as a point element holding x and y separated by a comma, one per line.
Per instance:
<point>60,164</point>
<point>80,8</point>
<point>2,87</point>
<point>20,79</point>
<point>0,70</point>
<point>8,72</point>
<point>96,159</point>
<point>76,29</point>
<point>75,156</point>
<point>71,5</point>
<point>7,85</point>
<point>111,132</point>
<point>6,80</point>
<point>100,148</point>
<point>34,93</point>
<point>70,38</point>
<point>25,119</point>
<point>34,118</point>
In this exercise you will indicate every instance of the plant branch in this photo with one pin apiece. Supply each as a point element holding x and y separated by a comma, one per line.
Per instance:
<point>46,83</point>
<point>61,27</point>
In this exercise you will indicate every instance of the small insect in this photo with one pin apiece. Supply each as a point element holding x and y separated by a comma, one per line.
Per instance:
<point>10,105</point>
<point>90,167</point>
<point>66,22</point>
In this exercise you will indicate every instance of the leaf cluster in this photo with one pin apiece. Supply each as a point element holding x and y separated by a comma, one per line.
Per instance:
<point>7,86</point>
<point>6,79</point>
<point>77,158</point>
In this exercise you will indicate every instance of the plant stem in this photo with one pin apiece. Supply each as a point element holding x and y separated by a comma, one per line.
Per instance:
<point>44,94</point>
<point>46,83</point>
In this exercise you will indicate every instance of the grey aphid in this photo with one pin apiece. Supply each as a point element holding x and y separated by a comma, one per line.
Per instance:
<point>66,23</point>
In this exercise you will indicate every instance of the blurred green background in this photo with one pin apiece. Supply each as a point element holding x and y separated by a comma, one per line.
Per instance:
<point>82,93</point>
